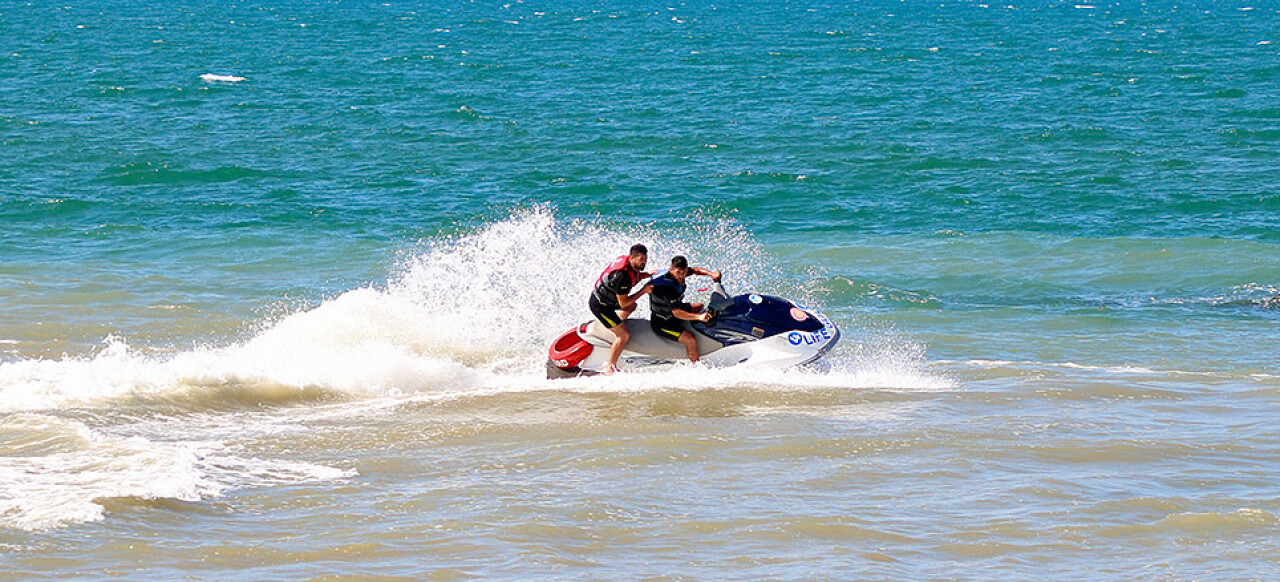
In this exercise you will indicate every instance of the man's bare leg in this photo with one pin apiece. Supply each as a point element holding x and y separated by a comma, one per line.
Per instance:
<point>690,346</point>
<point>616,349</point>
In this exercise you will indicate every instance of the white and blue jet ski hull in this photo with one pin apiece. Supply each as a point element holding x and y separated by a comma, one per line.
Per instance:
<point>749,330</point>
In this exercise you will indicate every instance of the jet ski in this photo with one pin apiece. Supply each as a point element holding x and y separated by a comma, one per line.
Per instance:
<point>749,329</point>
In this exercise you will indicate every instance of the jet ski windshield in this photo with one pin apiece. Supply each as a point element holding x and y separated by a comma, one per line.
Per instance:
<point>751,317</point>
<point>720,300</point>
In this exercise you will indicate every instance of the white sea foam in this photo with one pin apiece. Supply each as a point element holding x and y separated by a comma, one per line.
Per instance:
<point>692,377</point>
<point>57,471</point>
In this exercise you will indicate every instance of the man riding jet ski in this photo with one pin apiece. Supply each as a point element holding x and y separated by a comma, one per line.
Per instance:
<point>668,310</point>
<point>749,329</point>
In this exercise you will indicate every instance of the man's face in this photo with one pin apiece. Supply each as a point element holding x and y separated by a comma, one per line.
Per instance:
<point>680,272</point>
<point>639,261</point>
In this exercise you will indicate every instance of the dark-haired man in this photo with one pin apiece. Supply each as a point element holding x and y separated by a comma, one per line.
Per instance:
<point>611,300</point>
<point>666,302</point>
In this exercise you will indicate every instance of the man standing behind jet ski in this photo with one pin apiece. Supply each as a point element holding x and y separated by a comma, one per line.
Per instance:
<point>666,302</point>
<point>611,300</point>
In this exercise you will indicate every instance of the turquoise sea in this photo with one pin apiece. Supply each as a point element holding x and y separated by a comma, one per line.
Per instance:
<point>277,281</point>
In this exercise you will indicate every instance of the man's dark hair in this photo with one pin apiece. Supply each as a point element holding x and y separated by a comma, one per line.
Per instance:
<point>639,249</point>
<point>679,261</point>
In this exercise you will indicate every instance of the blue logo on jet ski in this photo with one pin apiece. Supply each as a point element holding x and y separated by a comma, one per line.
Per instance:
<point>809,338</point>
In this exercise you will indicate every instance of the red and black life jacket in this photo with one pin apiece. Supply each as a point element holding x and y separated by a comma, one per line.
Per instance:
<point>607,296</point>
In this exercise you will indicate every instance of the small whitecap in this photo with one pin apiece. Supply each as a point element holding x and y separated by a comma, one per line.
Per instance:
<point>214,78</point>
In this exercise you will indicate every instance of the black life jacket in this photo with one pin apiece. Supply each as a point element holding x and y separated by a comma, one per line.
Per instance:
<point>661,307</point>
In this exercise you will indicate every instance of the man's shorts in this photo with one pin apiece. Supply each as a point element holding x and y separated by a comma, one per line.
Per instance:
<point>606,315</point>
<point>667,328</point>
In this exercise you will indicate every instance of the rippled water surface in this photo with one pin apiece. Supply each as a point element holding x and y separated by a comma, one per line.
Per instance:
<point>277,282</point>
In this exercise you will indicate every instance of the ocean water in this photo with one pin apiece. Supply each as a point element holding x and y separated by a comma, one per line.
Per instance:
<point>277,281</point>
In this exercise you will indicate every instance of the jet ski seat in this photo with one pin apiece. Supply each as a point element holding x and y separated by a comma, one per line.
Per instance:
<point>644,341</point>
